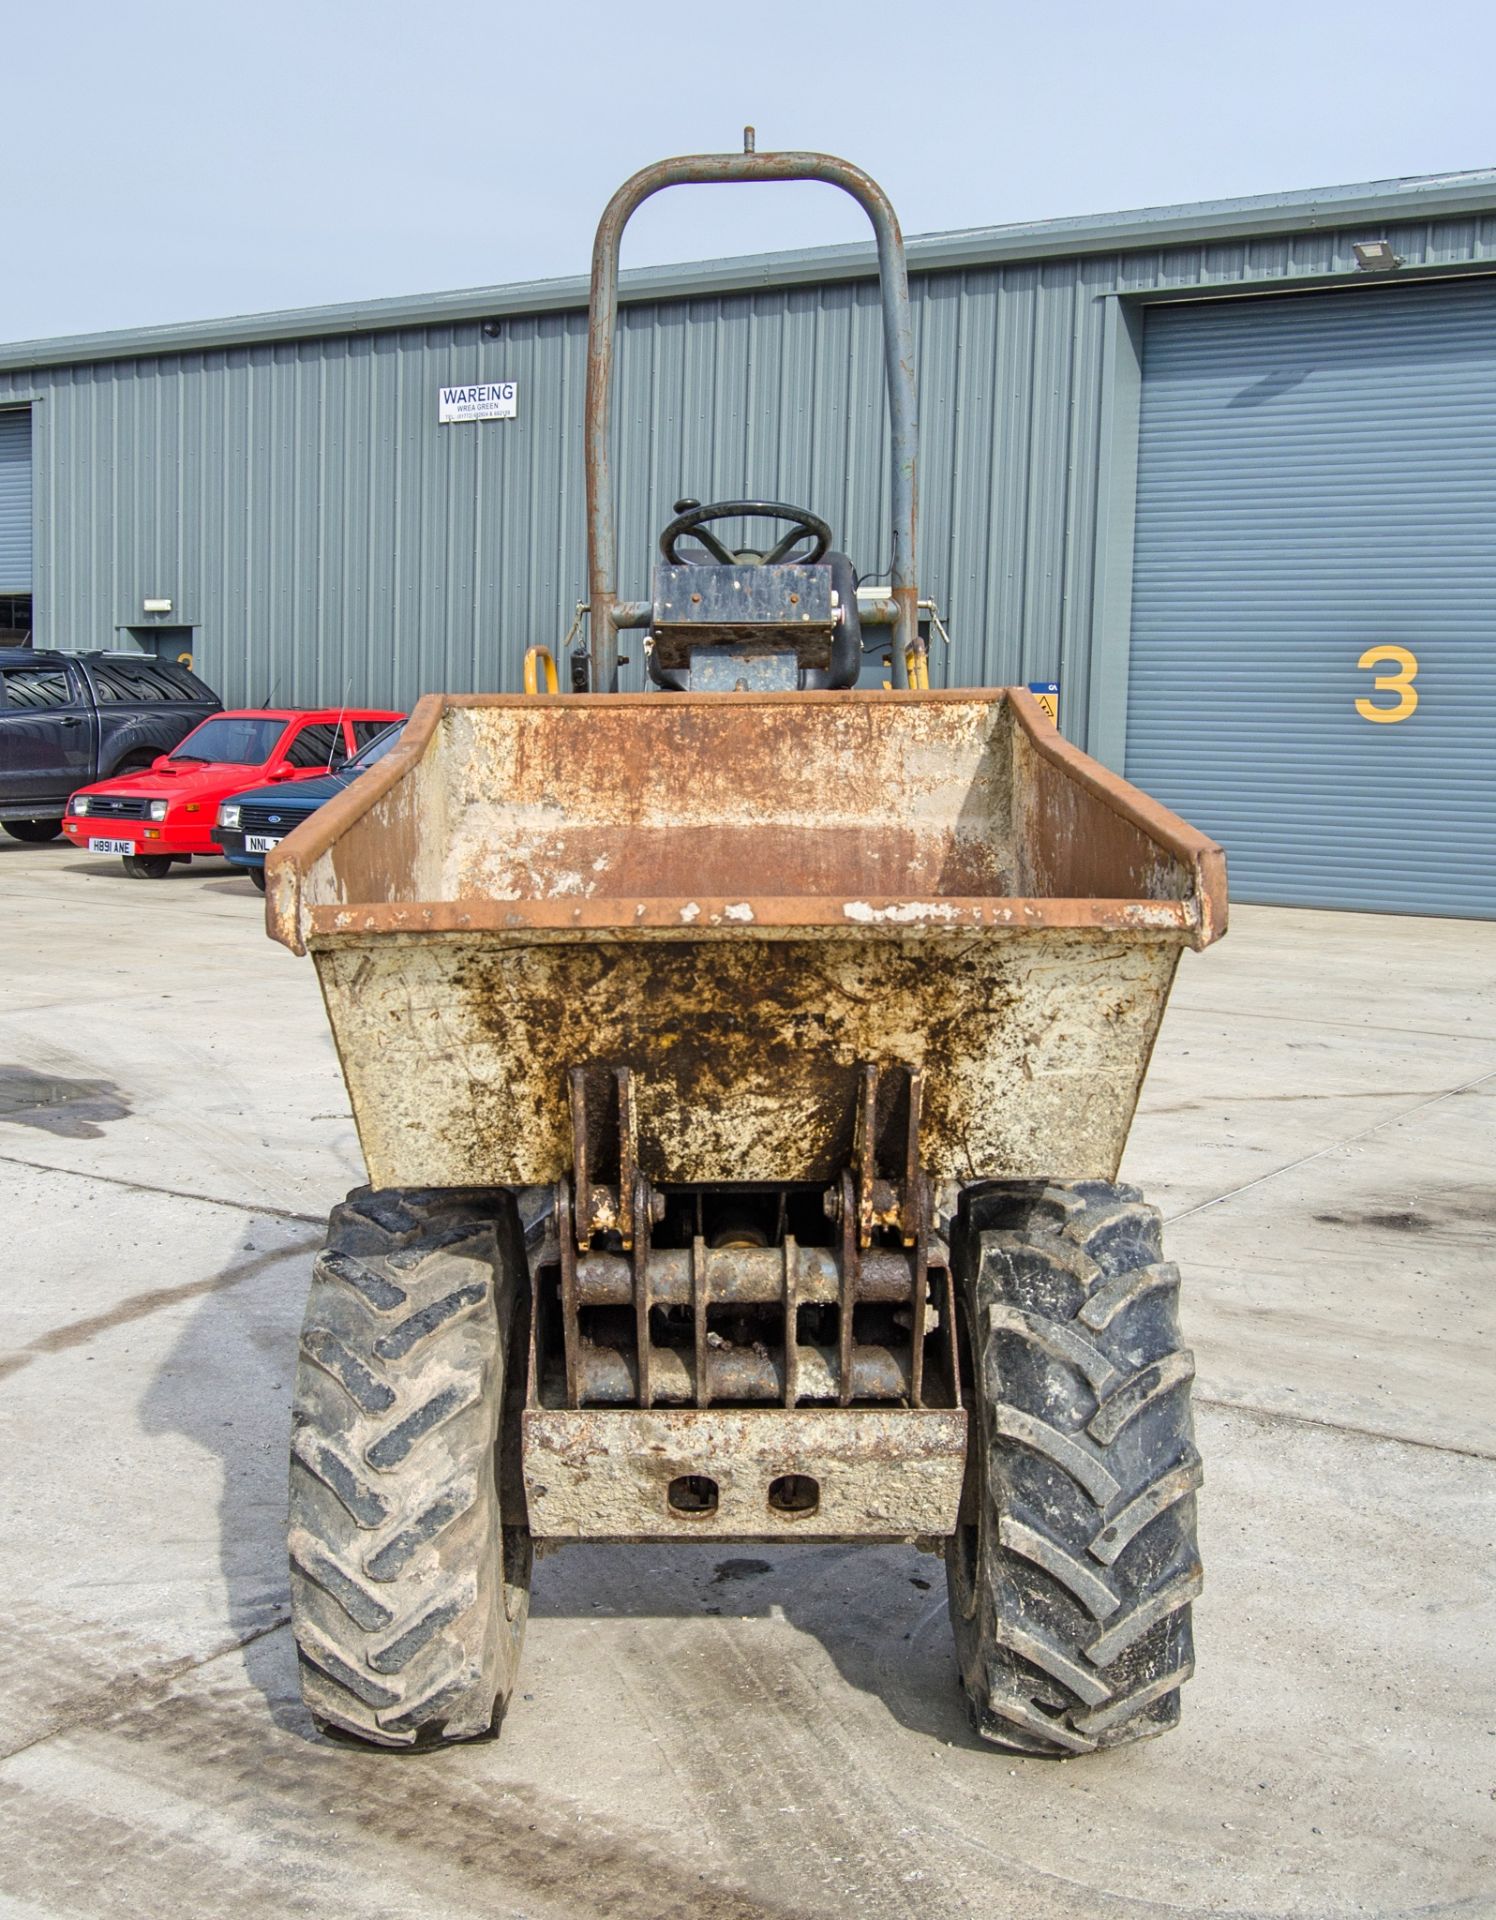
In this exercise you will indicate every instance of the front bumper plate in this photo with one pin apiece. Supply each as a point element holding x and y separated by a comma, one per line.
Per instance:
<point>607,1474</point>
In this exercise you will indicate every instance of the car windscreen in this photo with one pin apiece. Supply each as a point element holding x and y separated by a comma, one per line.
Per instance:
<point>376,749</point>
<point>244,739</point>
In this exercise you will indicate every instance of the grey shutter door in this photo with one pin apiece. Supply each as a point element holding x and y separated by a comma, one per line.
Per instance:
<point>15,500</point>
<point>1317,478</point>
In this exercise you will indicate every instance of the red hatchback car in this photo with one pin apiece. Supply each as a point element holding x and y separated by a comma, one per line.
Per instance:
<point>168,811</point>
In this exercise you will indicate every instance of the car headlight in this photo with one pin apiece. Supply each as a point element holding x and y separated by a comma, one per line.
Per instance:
<point>158,809</point>
<point>228,814</point>
<point>79,804</point>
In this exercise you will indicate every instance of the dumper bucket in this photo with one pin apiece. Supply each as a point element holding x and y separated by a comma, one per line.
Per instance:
<point>743,899</point>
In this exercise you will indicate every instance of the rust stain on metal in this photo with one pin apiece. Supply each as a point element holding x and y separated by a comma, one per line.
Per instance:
<point>744,1055</point>
<point>741,900</point>
<point>762,918</point>
<point>1082,829</point>
<point>607,1376</point>
<point>936,809</point>
<point>745,1276</point>
<point>605,1474</point>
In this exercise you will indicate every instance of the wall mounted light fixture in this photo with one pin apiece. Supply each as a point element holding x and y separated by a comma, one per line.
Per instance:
<point>1375,256</point>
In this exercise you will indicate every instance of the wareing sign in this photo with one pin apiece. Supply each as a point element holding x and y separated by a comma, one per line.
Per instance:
<point>492,400</point>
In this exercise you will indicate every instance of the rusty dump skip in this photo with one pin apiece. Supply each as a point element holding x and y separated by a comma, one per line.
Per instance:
<point>744,899</point>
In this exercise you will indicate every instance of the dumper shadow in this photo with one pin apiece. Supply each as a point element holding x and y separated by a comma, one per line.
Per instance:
<point>227,1385</point>
<point>878,1612</point>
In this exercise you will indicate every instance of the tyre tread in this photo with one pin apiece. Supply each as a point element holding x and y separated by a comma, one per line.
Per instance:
<point>1072,1612</point>
<point>405,1629</point>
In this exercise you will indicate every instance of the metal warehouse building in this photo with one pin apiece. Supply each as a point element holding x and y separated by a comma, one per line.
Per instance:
<point>1227,473</point>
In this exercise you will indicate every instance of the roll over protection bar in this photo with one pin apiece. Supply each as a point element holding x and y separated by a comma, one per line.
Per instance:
<point>608,613</point>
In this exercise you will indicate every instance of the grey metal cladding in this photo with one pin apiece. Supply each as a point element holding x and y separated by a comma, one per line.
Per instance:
<point>299,503</point>
<point>15,500</point>
<point>1317,482</point>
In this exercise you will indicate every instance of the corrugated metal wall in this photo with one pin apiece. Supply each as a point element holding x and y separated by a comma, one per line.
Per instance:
<point>299,503</point>
<point>15,500</point>
<point>1317,485</point>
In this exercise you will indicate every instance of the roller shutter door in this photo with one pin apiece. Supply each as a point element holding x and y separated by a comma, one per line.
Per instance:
<point>1317,488</point>
<point>15,500</point>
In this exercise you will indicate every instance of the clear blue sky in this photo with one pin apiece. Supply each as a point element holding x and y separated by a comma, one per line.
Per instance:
<point>167,162</point>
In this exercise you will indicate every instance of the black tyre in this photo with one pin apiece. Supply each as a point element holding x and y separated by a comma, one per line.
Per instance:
<point>1074,1562</point>
<point>32,831</point>
<point>147,866</point>
<point>410,1559</point>
<point>257,874</point>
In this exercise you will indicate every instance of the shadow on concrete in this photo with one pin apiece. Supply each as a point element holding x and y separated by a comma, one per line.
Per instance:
<point>871,1608</point>
<point>227,1385</point>
<point>112,868</point>
<point>20,849</point>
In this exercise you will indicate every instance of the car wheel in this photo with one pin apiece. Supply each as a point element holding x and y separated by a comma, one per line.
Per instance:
<point>147,866</point>
<point>32,830</point>
<point>257,874</point>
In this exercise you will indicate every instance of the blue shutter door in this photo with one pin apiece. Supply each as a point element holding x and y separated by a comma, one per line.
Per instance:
<point>1316,480</point>
<point>15,500</point>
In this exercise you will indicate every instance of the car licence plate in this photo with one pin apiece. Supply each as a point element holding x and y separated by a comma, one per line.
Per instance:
<point>112,846</point>
<point>260,842</point>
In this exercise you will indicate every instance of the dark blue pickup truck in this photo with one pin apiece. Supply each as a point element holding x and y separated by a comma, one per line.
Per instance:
<point>68,719</point>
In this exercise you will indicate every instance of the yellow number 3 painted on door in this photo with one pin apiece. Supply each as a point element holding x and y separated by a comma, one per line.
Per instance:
<point>1400,683</point>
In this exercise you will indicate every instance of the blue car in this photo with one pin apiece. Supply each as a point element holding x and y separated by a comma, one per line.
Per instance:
<point>254,821</point>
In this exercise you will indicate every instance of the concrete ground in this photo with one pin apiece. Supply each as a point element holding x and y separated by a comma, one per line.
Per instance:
<point>756,1731</point>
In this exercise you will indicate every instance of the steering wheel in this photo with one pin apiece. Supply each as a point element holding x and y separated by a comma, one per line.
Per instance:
<point>692,518</point>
